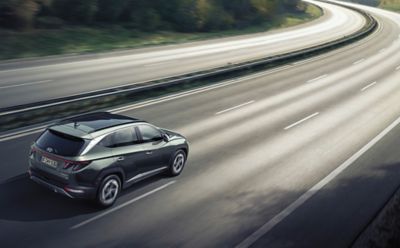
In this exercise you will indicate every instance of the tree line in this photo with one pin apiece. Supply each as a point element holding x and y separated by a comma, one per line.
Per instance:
<point>145,15</point>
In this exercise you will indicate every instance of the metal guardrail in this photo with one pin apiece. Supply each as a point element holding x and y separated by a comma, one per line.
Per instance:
<point>29,110</point>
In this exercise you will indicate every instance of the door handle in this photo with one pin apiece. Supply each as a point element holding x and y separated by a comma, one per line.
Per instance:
<point>149,152</point>
<point>121,158</point>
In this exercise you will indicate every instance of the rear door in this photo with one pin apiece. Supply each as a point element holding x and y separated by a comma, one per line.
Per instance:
<point>125,147</point>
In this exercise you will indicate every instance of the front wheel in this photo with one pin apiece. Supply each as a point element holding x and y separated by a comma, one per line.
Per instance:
<point>108,191</point>
<point>177,163</point>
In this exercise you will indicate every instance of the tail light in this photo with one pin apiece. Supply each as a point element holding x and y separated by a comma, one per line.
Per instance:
<point>76,165</point>
<point>32,152</point>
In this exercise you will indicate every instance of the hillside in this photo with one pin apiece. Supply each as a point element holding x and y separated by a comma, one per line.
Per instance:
<point>31,28</point>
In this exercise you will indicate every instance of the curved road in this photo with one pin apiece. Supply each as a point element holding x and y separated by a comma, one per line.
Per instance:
<point>33,81</point>
<point>278,159</point>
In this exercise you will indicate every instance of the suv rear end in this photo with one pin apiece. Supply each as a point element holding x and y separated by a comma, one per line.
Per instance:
<point>55,162</point>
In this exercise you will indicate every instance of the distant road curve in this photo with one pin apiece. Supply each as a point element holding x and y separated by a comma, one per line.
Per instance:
<point>303,155</point>
<point>24,82</point>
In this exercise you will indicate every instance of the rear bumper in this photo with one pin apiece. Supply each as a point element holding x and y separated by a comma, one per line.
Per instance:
<point>70,191</point>
<point>51,186</point>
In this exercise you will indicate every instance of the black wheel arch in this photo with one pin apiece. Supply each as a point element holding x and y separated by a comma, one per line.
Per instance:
<point>111,171</point>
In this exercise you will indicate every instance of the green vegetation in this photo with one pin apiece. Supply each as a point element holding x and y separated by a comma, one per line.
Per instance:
<point>393,5</point>
<point>49,27</point>
<point>366,2</point>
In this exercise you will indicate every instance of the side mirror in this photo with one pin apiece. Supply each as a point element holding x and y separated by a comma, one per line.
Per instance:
<point>165,137</point>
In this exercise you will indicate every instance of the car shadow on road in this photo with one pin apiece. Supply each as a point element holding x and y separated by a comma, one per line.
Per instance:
<point>21,199</point>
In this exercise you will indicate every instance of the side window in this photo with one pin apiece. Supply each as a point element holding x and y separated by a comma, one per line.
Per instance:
<point>149,133</point>
<point>123,137</point>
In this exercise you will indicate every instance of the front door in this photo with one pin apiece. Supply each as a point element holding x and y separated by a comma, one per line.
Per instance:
<point>126,150</point>
<point>153,146</point>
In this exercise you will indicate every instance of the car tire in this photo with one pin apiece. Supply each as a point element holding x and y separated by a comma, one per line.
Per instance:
<point>177,163</point>
<point>108,191</point>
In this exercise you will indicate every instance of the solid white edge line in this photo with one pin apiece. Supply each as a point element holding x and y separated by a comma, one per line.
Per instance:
<point>235,107</point>
<point>301,121</point>
<point>318,78</point>
<point>121,206</point>
<point>24,84</point>
<point>368,86</point>
<point>15,135</point>
<point>263,230</point>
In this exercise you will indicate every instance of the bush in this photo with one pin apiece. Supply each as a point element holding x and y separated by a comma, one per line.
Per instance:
<point>49,22</point>
<point>185,18</point>
<point>18,14</point>
<point>76,11</point>
<point>110,10</point>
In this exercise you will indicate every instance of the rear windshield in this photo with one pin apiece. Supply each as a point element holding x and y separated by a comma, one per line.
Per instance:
<point>60,144</point>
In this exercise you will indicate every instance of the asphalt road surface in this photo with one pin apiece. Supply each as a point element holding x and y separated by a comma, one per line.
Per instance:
<point>299,156</point>
<point>44,79</point>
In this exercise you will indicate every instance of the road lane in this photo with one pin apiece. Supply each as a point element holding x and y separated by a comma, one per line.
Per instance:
<point>360,186</point>
<point>243,169</point>
<point>85,75</point>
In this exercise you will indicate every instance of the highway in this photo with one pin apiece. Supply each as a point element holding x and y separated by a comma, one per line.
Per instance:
<point>50,78</point>
<point>303,155</point>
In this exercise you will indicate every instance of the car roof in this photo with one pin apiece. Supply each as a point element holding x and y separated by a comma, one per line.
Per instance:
<point>84,125</point>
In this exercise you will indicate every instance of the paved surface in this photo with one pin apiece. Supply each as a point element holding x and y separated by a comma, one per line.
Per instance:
<point>258,144</point>
<point>38,80</point>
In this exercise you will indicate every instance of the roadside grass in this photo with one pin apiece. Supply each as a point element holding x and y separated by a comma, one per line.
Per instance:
<point>393,5</point>
<point>81,40</point>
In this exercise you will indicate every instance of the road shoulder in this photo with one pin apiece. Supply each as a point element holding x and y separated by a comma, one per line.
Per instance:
<point>337,214</point>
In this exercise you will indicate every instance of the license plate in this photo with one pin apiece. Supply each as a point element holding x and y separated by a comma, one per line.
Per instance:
<point>49,162</point>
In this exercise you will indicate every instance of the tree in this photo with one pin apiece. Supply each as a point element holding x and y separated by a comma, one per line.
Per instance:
<point>212,16</point>
<point>20,14</point>
<point>147,15</point>
<point>264,8</point>
<point>110,10</point>
<point>76,11</point>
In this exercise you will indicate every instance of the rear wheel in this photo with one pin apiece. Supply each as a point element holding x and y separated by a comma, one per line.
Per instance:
<point>108,191</point>
<point>177,163</point>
